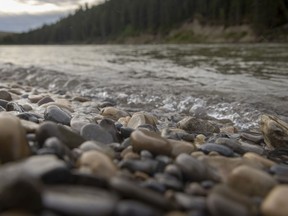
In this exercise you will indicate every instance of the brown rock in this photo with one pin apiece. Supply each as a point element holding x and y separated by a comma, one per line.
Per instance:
<point>276,203</point>
<point>13,142</point>
<point>140,118</point>
<point>253,157</point>
<point>192,125</point>
<point>113,113</point>
<point>179,147</point>
<point>97,163</point>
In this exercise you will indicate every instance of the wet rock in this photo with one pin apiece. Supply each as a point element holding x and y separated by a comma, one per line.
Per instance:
<point>96,132</point>
<point>13,142</point>
<point>173,170</point>
<point>113,113</point>
<point>29,127</point>
<point>140,118</point>
<point>146,140</point>
<point>131,190</point>
<point>64,134</point>
<point>223,150</point>
<point>193,169</point>
<point>195,125</point>
<point>276,204</point>
<point>79,201</point>
<point>251,181</point>
<point>97,163</point>
<point>45,100</point>
<point>81,99</point>
<point>252,148</point>
<point>5,95</point>
<point>275,131</point>
<point>132,207</point>
<point>13,106</point>
<point>55,114</point>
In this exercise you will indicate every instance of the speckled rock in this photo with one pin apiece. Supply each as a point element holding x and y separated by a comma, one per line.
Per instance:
<point>13,143</point>
<point>276,203</point>
<point>193,125</point>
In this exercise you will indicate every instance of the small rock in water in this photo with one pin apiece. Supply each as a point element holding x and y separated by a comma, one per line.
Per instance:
<point>113,113</point>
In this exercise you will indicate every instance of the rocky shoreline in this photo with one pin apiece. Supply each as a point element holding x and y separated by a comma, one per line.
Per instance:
<point>64,154</point>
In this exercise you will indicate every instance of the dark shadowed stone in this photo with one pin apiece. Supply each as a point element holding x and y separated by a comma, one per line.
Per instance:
<point>33,117</point>
<point>132,207</point>
<point>97,133</point>
<point>3,103</point>
<point>169,181</point>
<point>19,192</point>
<point>109,126</point>
<point>193,169</point>
<point>126,132</point>
<point>232,144</point>
<point>79,201</point>
<point>223,150</point>
<point>174,170</point>
<point>154,185</point>
<point>45,100</point>
<point>55,114</point>
<point>64,134</point>
<point>131,190</point>
<point>147,166</point>
<point>5,95</point>
<point>12,106</point>
<point>189,202</point>
<point>192,125</point>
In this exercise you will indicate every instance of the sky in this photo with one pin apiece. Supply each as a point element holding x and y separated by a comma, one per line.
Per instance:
<point>24,15</point>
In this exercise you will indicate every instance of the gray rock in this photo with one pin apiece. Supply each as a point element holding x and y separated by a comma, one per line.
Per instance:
<point>45,100</point>
<point>55,114</point>
<point>5,95</point>
<point>192,125</point>
<point>97,133</point>
<point>223,150</point>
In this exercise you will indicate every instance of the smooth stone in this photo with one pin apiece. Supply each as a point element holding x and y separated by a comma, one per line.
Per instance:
<point>64,106</point>
<point>193,169</point>
<point>33,117</point>
<point>45,100</point>
<point>79,200</point>
<point>147,166</point>
<point>19,192</point>
<point>57,115</point>
<point>150,141</point>
<point>96,132</point>
<point>27,107</point>
<point>274,130</point>
<point>146,154</point>
<point>132,207</point>
<point>233,144</point>
<point>17,213</point>
<point>78,121</point>
<point>148,127</point>
<point>169,181</point>
<point>195,189</point>
<point>200,139</point>
<point>252,148</point>
<point>253,157</point>
<point>177,134</point>
<point>97,146</point>
<point>64,134</point>
<point>30,127</point>
<point>192,125</point>
<point>219,205</point>
<point>280,172</point>
<point>124,120</point>
<point>5,95</point>
<point>97,163</point>
<point>189,202</point>
<point>179,147</point>
<point>109,126</point>
<point>252,137</point>
<point>153,185</point>
<point>13,145</point>
<point>173,170</point>
<point>113,113</point>
<point>130,190</point>
<point>251,181</point>
<point>13,106</point>
<point>35,98</point>
<point>81,99</point>
<point>140,118</point>
<point>276,203</point>
<point>3,103</point>
<point>223,150</point>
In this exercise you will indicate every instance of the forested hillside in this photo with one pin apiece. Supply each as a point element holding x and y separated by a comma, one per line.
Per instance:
<point>116,19</point>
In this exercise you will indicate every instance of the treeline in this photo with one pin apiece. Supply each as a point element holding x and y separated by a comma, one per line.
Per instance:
<point>127,18</point>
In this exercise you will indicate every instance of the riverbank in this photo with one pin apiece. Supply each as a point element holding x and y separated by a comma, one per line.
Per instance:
<point>77,155</point>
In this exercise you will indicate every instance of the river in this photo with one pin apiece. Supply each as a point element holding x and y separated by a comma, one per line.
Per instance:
<point>234,81</point>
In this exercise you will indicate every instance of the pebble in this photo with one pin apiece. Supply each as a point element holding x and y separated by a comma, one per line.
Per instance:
<point>253,157</point>
<point>139,119</point>
<point>5,95</point>
<point>45,100</point>
<point>251,181</point>
<point>13,145</point>
<point>96,132</point>
<point>97,163</point>
<point>57,115</point>
<point>113,113</point>
<point>211,147</point>
<point>276,204</point>
<point>196,125</point>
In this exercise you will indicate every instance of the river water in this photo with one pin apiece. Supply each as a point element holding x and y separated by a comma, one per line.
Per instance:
<point>236,82</point>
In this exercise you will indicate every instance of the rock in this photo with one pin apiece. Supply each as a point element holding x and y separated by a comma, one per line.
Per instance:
<point>274,130</point>
<point>200,139</point>
<point>189,202</point>
<point>223,150</point>
<point>79,201</point>
<point>251,181</point>
<point>13,106</point>
<point>233,144</point>
<point>253,157</point>
<point>96,132</point>
<point>113,113</point>
<point>276,204</point>
<point>195,125</point>
<point>5,95</point>
<point>78,121</point>
<point>131,190</point>
<point>146,140</point>
<point>132,207</point>
<point>13,142</point>
<point>35,98</point>
<point>81,99</point>
<point>140,118</point>
<point>179,147</point>
<point>55,114</point>
<point>147,166</point>
<point>3,103</point>
<point>177,134</point>
<point>64,134</point>
<point>45,100</point>
<point>109,126</point>
<point>30,127</point>
<point>97,163</point>
<point>169,181</point>
<point>33,117</point>
<point>96,146</point>
<point>255,138</point>
<point>193,169</point>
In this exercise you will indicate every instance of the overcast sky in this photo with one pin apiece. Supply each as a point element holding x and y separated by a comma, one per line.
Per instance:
<point>22,15</point>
